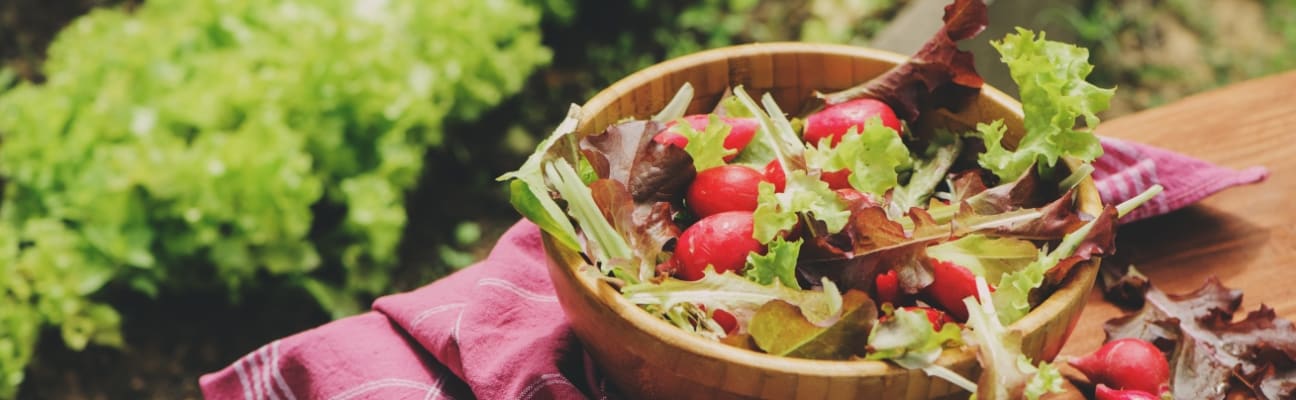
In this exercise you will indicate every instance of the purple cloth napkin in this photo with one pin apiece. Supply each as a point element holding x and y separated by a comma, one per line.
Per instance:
<point>496,331</point>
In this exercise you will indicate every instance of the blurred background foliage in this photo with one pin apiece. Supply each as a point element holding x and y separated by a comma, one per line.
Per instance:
<point>186,180</point>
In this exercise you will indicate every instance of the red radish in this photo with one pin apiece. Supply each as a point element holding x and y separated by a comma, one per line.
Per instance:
<point>951,283</point>
<point>741,132</point>
<point>854,198</point>
<point>726,320</point>
<point>835,120</point>
<point>1102,392</point>
<point>774,174</point>
<point>1127,364</point>
<point>888,287</point>
<point>721,240</point>
<point>724,188</point>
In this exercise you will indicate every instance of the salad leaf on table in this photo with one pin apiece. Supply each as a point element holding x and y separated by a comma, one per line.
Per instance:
<point>1212,356</point>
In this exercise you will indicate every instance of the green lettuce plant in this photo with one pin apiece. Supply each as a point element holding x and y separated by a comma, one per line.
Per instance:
<point>212,143</point>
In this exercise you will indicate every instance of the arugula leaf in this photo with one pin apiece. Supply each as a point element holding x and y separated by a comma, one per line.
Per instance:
<point>779,262</point>
<point>937,75</point>
<point>779,328</point>
<point>1006,372</point>
<point>1054,95</point>
<point>738,295</point>
<point>706,148</point>
<point>803,195</point>
<point>873,157</point>
<point>987,256</point>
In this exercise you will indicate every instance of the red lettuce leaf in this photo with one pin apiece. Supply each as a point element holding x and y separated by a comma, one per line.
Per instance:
<point>647,227</point>
<point>1212,356</point>
<point>650,171</point>
<point>938,75</point>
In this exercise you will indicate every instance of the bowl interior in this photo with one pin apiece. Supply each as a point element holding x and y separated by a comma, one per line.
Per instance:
<point>791,72</point>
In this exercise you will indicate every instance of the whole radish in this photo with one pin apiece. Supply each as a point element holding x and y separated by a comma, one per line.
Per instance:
<point>740,133</point>
<point>1127,364</point>
<point>722,241</point>
<point>836,120</point>
<point>724,188</point>
<point>1102,392</point>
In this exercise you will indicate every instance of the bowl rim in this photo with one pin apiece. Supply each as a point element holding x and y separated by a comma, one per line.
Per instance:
<point>1074,285</point>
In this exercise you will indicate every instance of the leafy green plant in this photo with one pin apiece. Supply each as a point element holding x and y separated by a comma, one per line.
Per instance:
<point>210,144</point>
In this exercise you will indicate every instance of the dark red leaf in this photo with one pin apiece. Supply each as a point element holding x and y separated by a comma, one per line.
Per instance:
<point>650,171</point>
<point>1213,356</point>
<point>938,75</point>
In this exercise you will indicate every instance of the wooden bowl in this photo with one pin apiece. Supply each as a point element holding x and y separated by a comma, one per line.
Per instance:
<point>647,358</point>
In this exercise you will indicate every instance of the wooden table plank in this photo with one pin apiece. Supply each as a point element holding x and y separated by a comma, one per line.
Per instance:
<point>1246,236</point>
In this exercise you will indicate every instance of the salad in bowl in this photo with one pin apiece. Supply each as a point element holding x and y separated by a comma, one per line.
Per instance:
<point>865,226</point>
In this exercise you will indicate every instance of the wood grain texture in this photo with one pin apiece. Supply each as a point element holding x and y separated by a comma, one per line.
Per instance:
<point>1246,236</point>
<point>648,358</point>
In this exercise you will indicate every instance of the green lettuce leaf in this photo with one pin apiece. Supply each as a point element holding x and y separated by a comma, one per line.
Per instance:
<point>1054,95</point>
<point>604,241</point>
<point>927,174</point>
<point>873,157</point>
<point>803,195</point>
<point>987,256</point>
<point>780,329</point>
<point>706,148</point>
<point>907,338</point>
<point>529,193</point>
<point>779,262</point>
<point>737,295</point>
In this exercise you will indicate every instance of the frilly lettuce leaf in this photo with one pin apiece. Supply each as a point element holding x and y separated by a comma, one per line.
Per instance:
<point>1054,95</point>
<point>778,263</point>
<point>706,148</point>
<point>737,295</point>
<point>779,328</point>
<point>803,195</point>
<point>873,157</point>
<point>1006,372</point>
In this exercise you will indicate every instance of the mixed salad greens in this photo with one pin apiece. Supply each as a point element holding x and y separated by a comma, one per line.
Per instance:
<point>862,230</point>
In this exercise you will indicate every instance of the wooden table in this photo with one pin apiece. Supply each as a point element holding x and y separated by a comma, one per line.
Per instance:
<point>1246,236</point>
